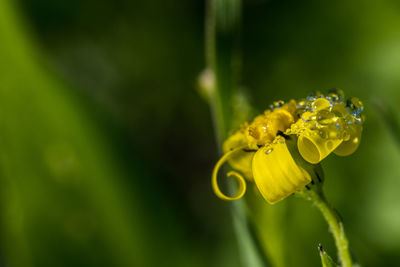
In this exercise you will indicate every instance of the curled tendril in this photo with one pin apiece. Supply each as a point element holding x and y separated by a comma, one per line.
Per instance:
<point>238,176</point>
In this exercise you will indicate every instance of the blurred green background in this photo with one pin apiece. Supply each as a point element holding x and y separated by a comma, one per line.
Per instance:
<point>106,146</point>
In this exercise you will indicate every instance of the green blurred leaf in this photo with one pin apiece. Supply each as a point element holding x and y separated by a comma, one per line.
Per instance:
<point>389,117</point>
<point>66,198</point>
<point>326,260</point>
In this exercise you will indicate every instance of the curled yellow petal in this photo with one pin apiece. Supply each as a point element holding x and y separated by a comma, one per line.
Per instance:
<point>313,148</point>
<point>276,174</point>
<point>241,160</point>
<point>348,147</point>
<point>239,177</point>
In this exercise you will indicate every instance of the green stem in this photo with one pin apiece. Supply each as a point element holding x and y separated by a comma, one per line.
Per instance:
<point>335,225</point>
<point>223,20</point>
<point>222,56</point>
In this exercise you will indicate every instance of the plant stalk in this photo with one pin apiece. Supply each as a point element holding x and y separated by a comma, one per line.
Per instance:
<point>223,19</point>
<point>335,224</point>
<point>222,33</point>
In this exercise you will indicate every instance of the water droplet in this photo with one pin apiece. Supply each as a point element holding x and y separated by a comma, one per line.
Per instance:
<point>333,97</point>
<point>336,95</point>
<point>301,103</point>
<point>317,94</point>
<point>325,117</point>
<point>322,133</point>
<point>307,116</point>
<point>279,103</point>
<point>355,105</point>
<point>279,140</point>
<point>333,134</point>
<point>269,150</point>
<point>339,110</point>
<point>314,95</point>
<point>339,125</point>
<point>349,119</point>
<point>359,118</point>
<point>319,104</point>
<point>346,136</point>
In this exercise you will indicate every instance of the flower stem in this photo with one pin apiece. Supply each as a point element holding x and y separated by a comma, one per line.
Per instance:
<point>335,223</point>
<point>223,59</point>
<point>222,30</point>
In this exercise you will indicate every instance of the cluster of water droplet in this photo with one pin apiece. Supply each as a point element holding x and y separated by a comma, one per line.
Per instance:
<point>331,116</point>
<point>276,104</point>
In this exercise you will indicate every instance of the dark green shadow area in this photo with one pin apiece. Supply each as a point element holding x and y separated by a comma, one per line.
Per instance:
<point>68,197</point>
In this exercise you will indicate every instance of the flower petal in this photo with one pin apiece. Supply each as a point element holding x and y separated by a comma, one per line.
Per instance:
<point>348,147</point>
<point>276,174</point>
<point>240,179</point>
<point>241,160</point>
<point>313,148</point>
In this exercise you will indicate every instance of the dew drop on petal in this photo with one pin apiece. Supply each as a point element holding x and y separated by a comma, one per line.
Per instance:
<point>271,107</point>
<point>278,104</point>
<point>355,105</point>
<point>335,95</point>
<point>339,125</point>
<point>269,150</point>
<point>346,136</point>
<point>319,104</point>
<point>325,117</point>
<point>301,103</point>
<point>322,133</point>
<point>333,134</point>
<point>314,95</point>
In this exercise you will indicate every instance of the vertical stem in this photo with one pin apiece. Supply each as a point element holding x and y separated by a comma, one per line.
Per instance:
<point>336,227</point>
<point>222,55</point>
<point>223,20</point>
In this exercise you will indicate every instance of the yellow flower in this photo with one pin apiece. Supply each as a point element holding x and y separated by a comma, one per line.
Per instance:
<point>278,150</point>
